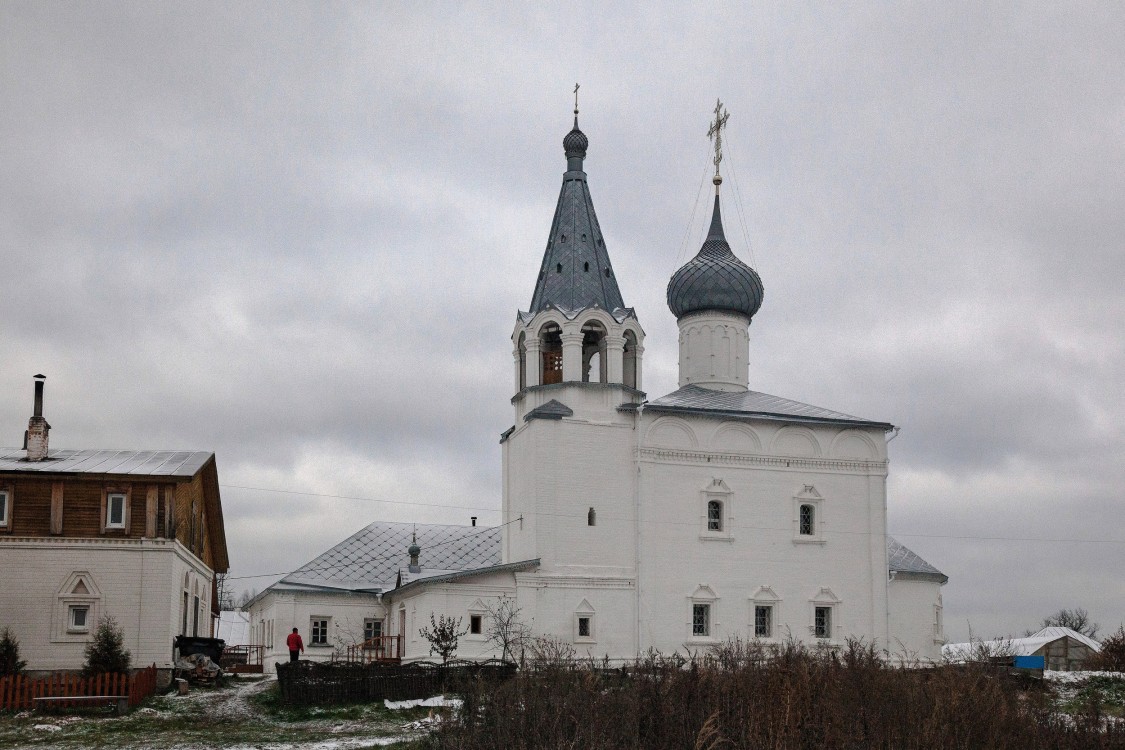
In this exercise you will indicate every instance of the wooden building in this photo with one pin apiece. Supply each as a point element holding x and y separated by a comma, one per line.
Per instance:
<point>137,535</point>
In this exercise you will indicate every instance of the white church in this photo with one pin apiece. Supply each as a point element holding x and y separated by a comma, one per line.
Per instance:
<point>630,523</point>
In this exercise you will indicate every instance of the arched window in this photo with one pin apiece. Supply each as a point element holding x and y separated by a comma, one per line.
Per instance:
<point>714,515</point>
<point>550,345</point>
<point>593,353</point>
<point>808,520</point>
<point>629,368</point>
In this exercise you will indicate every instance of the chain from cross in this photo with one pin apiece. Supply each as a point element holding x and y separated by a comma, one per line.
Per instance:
<point>715,132</point>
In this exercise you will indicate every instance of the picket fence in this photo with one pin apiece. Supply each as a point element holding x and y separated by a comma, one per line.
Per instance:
<point>18,692</point>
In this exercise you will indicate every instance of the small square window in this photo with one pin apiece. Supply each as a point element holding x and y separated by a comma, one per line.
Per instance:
<point>763,621</point>
<point>78,619</point>
<point>701,620</point>
<point>115,510</point>
<point>475,622</point>
<point>822,622</point>
<point>319,632</point>
<point>584,627</point>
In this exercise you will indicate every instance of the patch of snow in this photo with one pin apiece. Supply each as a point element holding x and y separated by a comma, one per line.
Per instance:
<point>47,728</point>
<point>1066,677</point>
<point>438,701</point>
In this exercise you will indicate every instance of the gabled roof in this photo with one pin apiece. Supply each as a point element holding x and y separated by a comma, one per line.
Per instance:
<point>370,559</point>
<point>553,409</point>
<point>694,399</point>
<point>412,581</point>
<point>906,564</point>
<point>1015,646</point>
<point>172,464</point>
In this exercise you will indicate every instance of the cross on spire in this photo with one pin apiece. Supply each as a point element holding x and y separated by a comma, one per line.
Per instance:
<point>715,133</point>
<point>576,98</point>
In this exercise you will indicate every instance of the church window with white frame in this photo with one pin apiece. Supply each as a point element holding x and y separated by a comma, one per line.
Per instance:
<point>825,612</point>
<point>584,623</point>
<point>763,621</point>
<point>714,515</point>
<point>715,509</point>
<point>701,620</point>
<point>808,518</point>
<point>822,622</point>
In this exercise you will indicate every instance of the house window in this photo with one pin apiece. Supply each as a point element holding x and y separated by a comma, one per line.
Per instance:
<point>78,620</point>
<point>822,622</point>
<point>115,510</point>
<point>475,624</point>
<point>4,503</point>
<point>372,629</point>
<point>319,631</point>
<point>763,621</point>
<point>808,520</point>
<point>591,518</point>
<point>701,620</point>
<point>584,629</point>
<point>714,515</point>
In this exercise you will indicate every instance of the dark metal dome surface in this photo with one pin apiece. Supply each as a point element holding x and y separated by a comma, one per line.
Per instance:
<point>575,143</point>
<point>715,279</point>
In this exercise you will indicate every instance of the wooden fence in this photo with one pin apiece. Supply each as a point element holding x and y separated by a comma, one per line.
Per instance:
<point>18,693</point>
<point>310,683</point>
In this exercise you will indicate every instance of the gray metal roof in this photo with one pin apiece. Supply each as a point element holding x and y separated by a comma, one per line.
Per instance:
<point>180,464</point>
<point>411,581</point>
<point>695,399</point>
<point>715,279</point>
<point>371,559</point>
<point>553,409</point>
<point>901,560</point>
<point>576,273</point>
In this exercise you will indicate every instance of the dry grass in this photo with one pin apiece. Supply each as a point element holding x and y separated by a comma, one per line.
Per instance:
<point>745,696</point>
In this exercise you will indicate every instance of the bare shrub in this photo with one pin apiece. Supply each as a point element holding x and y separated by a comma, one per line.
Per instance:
<point>1112,656</point>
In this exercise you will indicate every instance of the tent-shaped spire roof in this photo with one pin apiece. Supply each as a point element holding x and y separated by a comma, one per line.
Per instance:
<point>576,272</point>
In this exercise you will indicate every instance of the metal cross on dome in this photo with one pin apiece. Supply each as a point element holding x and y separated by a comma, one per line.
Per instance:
<point>576,98</point>
<point>715,133</point>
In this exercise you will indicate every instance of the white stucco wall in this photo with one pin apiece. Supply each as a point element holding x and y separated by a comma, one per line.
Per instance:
<point>917,630</point>
<point>139,582</point>
<point>274,615</point>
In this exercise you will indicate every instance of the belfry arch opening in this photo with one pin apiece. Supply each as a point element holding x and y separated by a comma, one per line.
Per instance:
<point>629,364</point>
<point>551,353</point>
<point>522,345</point>
<point>594,353</point>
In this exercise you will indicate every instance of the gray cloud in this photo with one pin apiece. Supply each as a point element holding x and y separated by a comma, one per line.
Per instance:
<point>298,235</point>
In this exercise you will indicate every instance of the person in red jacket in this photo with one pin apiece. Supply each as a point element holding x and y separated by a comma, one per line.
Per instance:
<point>295,644</point>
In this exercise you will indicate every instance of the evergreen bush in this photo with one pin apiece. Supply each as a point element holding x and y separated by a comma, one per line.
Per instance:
<point>10,662</point>
<point>106,652</point>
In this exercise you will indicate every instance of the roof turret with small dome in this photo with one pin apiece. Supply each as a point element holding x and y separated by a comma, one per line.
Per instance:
<point>715,279</point>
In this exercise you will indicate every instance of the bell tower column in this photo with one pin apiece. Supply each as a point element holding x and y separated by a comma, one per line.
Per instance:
<point>533,362</point>
<point>572,356</point>
<point>615,353</point>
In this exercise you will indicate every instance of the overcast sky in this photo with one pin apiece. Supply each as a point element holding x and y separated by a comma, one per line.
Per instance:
<point>297,235</point>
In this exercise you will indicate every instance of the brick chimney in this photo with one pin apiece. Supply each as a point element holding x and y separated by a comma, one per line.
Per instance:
<point>35,439</point>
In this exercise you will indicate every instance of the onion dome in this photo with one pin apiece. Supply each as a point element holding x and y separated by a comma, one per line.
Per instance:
<point>575,143</point>
<point>715,279</point>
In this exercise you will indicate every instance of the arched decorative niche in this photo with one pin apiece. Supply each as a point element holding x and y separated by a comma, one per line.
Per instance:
<point>799,442</point>
<point>671,432</point>
<point>853,444</point>
<point>735,437</point>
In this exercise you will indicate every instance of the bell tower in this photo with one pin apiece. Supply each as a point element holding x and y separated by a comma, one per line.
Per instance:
<point>577,366</point>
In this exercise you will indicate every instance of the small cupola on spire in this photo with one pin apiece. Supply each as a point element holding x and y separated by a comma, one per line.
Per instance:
<point>714,296</point>
<point>414,550</point>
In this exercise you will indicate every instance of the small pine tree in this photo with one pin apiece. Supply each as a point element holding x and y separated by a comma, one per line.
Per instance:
<point>10,662</point>
<point>106,653</point>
